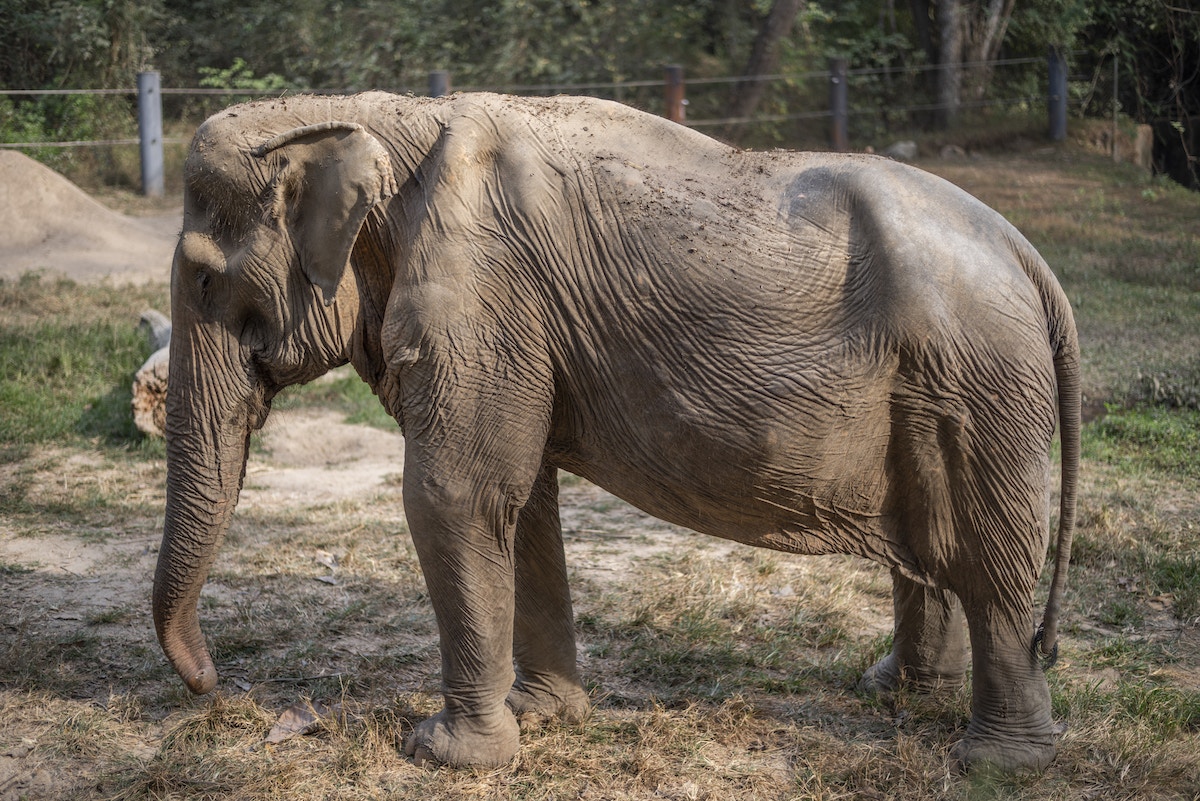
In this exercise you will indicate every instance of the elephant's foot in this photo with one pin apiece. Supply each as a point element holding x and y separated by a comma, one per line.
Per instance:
<point>1010,755</point>
<point>460,742</point>
<point>566,700</point>
<point>888,676</point>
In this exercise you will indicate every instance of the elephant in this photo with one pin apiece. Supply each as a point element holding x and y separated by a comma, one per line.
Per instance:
<point>810,352</point>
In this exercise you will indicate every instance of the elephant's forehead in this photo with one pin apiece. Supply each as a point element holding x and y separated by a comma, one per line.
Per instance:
<point>221,176</point>
<point>222,144</point>
<point>221,195</point>
<point>243,125</point>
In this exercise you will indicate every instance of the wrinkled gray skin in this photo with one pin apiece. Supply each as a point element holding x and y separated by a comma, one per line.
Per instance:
<point>808,352</point>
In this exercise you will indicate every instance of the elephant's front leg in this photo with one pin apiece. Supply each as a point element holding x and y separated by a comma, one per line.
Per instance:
<point>469,470</point>
<point>547,682</point>
<point>465,546</point>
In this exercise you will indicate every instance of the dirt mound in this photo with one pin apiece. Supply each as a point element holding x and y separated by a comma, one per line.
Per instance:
<point>52,225</point>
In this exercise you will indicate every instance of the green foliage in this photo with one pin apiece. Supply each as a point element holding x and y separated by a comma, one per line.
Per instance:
<point>380,44</point>
<point>1159,47</point>
<point>92,44</point>
<point>267,48</point>
<point>22,122</point>
<point>86,43</point>
<point>1156,45</point>
<point>239,76</point>
<point>886,53</point>
<point>539,40</point>
<point>74,118</point>
<point>1062,23</point>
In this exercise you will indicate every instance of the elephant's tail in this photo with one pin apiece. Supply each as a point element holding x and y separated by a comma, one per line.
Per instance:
<point>1064,339</point>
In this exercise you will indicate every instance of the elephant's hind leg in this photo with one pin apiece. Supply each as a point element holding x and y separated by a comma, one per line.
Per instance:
<point>547,683</point>
<point>1002,520</point>
<point>929,649</point>
<point>1011,727</point>
<point>971,488</point>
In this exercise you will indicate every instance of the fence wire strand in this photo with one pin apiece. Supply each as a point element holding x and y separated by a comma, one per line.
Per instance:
<point>615,89</point>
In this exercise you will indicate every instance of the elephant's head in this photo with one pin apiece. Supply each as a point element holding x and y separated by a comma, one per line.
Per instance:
<point>261,299</point>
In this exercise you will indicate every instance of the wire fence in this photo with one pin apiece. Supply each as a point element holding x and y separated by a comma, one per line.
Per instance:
<point>797,109</point>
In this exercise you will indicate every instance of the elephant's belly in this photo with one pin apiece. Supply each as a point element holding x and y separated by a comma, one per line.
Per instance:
<point>784,445</point>
<point>772,487</point>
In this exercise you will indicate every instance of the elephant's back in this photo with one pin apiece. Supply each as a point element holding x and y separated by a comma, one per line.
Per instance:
<point>927,261</point>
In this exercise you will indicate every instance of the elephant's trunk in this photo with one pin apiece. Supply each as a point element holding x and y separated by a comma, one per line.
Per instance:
<point>206,460</point>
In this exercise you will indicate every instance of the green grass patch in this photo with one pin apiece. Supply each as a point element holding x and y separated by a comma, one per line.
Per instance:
<point>1120,613</point>
<point>1132,335</point>
<point>68,354</point>
<point>345,392</point>
<point>62,381</point>
<point>1158,441</point>
<point>1159,711</point>
<point>1179,576</point>
<point>1131,657</point>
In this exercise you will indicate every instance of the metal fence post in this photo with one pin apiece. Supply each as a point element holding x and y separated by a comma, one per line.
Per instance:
<point>150,134</point>
<point>676,104</point>
<point>1116,151</point>
<point>439,83</point>
<point>839,105</point>
<point>1058,96</point>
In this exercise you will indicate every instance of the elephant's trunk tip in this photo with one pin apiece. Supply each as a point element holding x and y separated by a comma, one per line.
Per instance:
<point>202,681</point>
<point>184,646</point>
<point>196,670</point>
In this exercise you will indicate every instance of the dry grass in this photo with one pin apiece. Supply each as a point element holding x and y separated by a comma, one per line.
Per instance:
<point>716,671</point>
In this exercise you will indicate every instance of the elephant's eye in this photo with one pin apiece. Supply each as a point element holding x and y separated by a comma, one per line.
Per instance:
<point>200,254</point>
<point>203,279</point>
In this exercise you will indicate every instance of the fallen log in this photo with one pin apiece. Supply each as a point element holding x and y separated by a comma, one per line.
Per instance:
<point>150,383</point>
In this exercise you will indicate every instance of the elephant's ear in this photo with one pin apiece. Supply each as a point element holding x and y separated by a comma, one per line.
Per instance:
<point>335,174</point>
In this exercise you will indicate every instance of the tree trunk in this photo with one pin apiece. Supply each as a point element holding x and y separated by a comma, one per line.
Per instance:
<point>929,79</point>
<point>920,14</point>
<point>950,52</point>
<point>985,35</point>
<point>150,382</point>
<point>994,27</point>
<point>764,59</point>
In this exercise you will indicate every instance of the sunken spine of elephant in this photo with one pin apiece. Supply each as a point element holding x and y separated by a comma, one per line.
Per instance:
<point>807,352</point>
